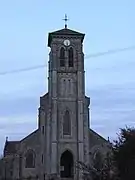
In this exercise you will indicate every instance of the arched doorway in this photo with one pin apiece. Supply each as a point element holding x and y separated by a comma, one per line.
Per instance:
<point>66,163</point>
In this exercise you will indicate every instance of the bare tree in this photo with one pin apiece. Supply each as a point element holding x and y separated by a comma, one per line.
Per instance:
<point>101,169</point>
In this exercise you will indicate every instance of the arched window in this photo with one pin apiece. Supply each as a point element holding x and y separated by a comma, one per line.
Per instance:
<point>70,57</point>
<point>62,57</point>
<point>98,159</point>
<point>30,159</point>
<point>67,124</point>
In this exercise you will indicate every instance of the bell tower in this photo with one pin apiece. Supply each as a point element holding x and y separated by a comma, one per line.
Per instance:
<point>67,120</point>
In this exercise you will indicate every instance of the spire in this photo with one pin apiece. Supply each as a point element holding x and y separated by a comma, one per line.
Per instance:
<point>6,138</point>
<point>66,19</point>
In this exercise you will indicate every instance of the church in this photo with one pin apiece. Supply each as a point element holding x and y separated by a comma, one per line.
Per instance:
<point>64,135</point>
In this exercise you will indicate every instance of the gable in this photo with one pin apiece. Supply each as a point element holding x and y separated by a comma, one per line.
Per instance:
<point>11,147</point>
<point>64,32</point>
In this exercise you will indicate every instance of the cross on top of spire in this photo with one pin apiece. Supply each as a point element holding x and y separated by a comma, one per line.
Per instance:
<point>66,19</point>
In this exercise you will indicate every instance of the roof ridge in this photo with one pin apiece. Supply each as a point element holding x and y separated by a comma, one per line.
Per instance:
<point>66,30</point>
<point>98,134</point>
<point>32,133</point>
<point>13,141</point>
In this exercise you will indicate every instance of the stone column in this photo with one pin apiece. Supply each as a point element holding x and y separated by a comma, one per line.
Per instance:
<point>48,141</point>
<point>54,124</point>
<point>80,130</point>
<point>80,118</point>
<point>54,138</point>
<point>86,136</point>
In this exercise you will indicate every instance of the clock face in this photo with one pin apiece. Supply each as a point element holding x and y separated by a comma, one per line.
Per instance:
<point>66,42</point>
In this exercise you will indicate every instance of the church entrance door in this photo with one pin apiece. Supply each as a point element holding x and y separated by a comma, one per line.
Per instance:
<point>66,163</point>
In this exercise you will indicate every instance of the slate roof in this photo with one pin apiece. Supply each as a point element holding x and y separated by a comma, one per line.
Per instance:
<point>95,138</point>
<point>10,147</point>
<point>64,32</point>
<point>30,136</point>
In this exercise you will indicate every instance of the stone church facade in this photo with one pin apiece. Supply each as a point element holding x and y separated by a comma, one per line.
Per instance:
<point>63,136</point>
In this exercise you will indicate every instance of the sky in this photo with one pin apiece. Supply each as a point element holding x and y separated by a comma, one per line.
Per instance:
<point>110,82</point>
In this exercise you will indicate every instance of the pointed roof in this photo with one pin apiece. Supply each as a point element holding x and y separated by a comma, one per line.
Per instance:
<point>64,32</point>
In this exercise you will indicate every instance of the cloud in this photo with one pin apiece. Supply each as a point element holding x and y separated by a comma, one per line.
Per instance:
<point>13,106</point>
<point>18,117</point>
<point>112,107</point>
<point>16,127</point>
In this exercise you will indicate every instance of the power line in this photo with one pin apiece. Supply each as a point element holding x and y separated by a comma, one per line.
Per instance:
<point>112,51</point>
<point>22,70</point>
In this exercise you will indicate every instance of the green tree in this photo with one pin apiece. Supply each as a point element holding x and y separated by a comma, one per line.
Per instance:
<point>124,154</point>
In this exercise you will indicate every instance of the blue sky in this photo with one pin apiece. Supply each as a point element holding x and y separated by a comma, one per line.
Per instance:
<point>24,27</point>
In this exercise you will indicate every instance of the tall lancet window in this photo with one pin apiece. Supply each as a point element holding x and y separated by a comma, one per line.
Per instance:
<point>67,124</point>
<point>62,57</point>
<point>30,159</point>
<point>70,57</point>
